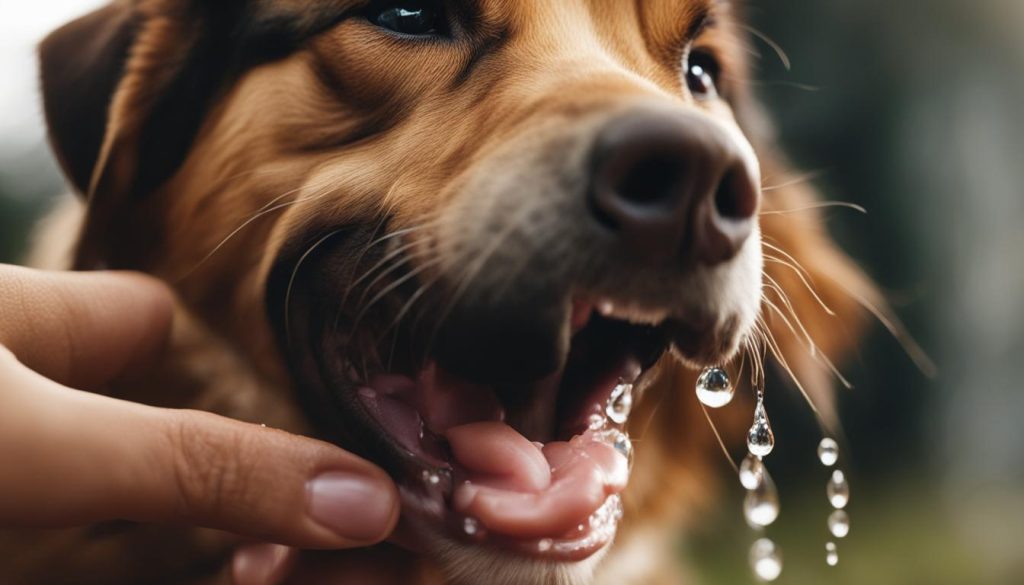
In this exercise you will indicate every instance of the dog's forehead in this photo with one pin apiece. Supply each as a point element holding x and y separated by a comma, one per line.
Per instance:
<point>305,17</point>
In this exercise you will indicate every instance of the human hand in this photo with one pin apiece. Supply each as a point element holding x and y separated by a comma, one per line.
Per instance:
<point>71,457</point>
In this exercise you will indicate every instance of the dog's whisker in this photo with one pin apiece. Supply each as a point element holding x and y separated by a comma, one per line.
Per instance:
<point>779,355</point>
<point>803,279</point>
<point>783,57</point>
<point>813,348</point>
<point>291,281</point>
<point>894,325</point>
<point>413,298</point>
<point>777,288</point>
<point>381,264</point>
<point>402,248</point>
<point>816,206</point>
<point>721,443</point>
<point>800,271</point>
<point>406,258</point>
<point>391,288</point>
<point>804,178</point>
<point>267,209</point>
<point>771,83</point>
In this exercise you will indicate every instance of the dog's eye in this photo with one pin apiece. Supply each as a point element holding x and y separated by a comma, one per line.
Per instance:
<point>702,71</point>
<point>410,17</point>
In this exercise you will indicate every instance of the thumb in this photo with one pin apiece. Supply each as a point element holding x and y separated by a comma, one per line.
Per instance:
<point>73,457</point>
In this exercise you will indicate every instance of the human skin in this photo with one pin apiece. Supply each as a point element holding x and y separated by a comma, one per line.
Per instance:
<point>72,456</point>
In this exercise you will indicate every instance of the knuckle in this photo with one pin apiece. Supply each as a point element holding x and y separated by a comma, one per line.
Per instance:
<point>210,468</point>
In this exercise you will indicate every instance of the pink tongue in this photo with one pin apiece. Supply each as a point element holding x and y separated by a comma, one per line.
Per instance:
<point>517,489</point>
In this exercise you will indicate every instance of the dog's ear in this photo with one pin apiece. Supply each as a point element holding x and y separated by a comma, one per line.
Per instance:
<point>81,65</point>
<point>127,88</point>
<point>124,91</point>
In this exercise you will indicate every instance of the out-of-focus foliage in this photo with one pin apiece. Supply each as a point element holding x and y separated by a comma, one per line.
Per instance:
<point>915,111</point>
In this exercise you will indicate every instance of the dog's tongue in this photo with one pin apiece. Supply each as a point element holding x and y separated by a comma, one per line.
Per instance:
<point>522,490</point>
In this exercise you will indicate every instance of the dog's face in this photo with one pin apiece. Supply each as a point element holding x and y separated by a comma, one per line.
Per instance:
<point>464,227</point>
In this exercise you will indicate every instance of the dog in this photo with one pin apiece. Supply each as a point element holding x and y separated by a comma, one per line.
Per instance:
<point>433,232</point>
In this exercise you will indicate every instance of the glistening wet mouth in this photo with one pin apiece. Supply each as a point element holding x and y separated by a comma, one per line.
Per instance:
<point>534,468</point>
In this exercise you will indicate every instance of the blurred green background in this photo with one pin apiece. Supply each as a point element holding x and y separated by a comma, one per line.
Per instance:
<point>913,110</point>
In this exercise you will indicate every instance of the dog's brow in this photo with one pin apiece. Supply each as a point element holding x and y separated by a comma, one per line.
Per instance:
<point>701,18</point>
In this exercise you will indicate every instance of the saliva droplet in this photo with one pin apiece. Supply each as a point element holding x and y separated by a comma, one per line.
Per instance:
<point>828,452</point>
<point>838,490</point>
<point>471,526</point>
<point>620,403</point>
<point>714,389</point>
<point>839,523</point>
<point>761,504</point>
<point>760,438</point>
<point>831,554</point>
<point>621,443</point>
<point>751,472</point>
<point>544,544</point>
<point>766,560</point>
<point>430,477</point>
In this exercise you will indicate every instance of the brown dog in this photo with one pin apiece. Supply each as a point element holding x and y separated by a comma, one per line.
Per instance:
<point>437,231</point>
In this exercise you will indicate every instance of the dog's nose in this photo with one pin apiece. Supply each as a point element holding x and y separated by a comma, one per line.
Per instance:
<point>673,187</point>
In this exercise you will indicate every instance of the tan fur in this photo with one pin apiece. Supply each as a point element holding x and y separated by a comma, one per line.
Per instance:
<point>263,166</point>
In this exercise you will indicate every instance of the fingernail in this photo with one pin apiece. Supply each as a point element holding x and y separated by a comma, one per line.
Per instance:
<point>259,564</point>
<point>353,506</point>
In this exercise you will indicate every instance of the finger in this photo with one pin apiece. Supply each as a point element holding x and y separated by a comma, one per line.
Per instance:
<point>261,564</point>
<point>71,457</point>
<point>82,328</point>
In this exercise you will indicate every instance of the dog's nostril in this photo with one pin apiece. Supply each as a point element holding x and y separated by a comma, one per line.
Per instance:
<point>673,187</point>
<point>651,181</point>
<point>735,198</point>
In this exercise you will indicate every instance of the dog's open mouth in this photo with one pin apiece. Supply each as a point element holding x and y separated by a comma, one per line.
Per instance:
<point>533,468</point>
<point>508,432</point>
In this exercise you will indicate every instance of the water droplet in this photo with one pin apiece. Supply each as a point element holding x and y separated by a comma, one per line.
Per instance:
<point>620,403</point>
<point>828,452</point>
<point>839,523</point>
<point>766,560</point>
<point>761,505</point>
<point>760,438</point>
<point>430,477</point>
<point>831,554</point>
<point>714,389</point>
<point>622,444</point>
<point>751,472</point>
<point>838,490</point>
<point>544,544</point>
<point>471,526</point>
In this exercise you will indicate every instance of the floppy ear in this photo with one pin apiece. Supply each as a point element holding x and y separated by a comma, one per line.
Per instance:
<point>81,66</point>
<point>127,88</point>
<point>123,100</point>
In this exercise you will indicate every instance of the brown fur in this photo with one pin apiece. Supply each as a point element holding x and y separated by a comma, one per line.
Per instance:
<point>351,124</point>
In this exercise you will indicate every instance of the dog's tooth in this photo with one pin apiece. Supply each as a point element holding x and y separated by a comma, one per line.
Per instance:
<point>620,403</point>
<point>606,307</point>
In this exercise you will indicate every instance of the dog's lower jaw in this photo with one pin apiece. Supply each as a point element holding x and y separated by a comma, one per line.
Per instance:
<point>463,564</point>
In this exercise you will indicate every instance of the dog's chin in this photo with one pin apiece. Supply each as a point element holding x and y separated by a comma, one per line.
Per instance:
<point>464,564</point>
